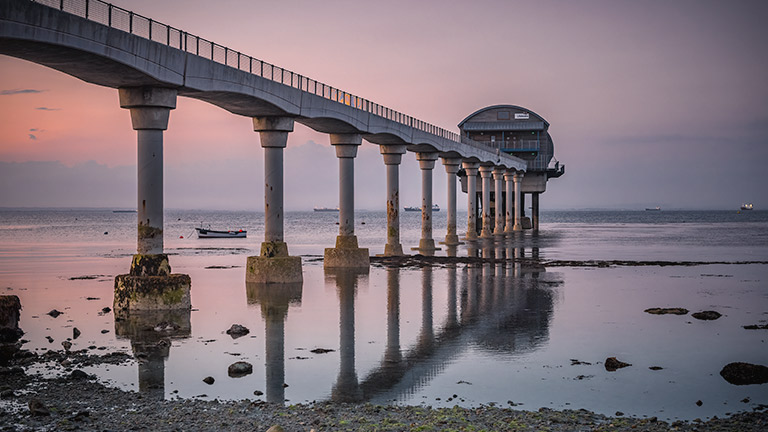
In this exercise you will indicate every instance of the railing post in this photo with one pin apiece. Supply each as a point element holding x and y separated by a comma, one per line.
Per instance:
<point>109,15</point>
<point>87,4</point>
<point>238,60</point>
<point>150,29</point>
<point>167,35</point>
<point>130,19</point>
<point>61,5</point>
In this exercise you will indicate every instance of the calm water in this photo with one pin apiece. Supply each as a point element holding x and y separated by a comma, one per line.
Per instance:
<point>466,335</point>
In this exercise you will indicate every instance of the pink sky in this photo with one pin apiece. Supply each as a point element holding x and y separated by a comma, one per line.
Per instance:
<point>650,103</point>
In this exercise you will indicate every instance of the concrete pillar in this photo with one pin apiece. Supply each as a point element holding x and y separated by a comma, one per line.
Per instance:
<point>451,168</point>
<point>535,211</point>
<point>470,168</point>
<point>346,254</point>
<point>393,155</point>
<point>518,178</point>
<point>274,265</point>
<point>426,163</point>
<point>498,177</point>
<point>510,210</point>
<point>485,174</point>
<point>150,284</point>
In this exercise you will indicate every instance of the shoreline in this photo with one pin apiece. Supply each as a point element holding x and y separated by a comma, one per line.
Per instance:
<point>77,402</point>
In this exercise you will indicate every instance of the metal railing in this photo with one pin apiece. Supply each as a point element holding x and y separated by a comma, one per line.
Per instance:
<point>127,21</point>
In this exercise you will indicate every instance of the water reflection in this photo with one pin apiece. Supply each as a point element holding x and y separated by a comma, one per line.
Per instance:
<point>274,300</point>
<point>347,388</point>
<point>151,333</point>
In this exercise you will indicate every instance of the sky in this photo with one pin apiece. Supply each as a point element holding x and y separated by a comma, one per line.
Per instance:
<point>650,103</point>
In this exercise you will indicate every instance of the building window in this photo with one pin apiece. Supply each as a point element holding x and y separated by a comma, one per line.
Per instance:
<point>502,115</point>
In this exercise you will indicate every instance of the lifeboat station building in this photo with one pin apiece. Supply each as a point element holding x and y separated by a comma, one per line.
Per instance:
<point>523,133</point>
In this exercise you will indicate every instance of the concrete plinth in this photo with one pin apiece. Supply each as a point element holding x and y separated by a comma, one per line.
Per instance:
<point>274,265</point>
<point>346,254</point>
<point>151,286</point>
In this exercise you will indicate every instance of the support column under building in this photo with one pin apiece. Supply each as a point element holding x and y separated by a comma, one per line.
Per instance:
<point>535,211</point>
<point>346,254</point>
<point>518,178</point>
<point>150,284</point>
<point>273,265</point>
<point>485,174</point>
<point>393,155</point>
<point>470,168</point>
<point>427,164</point>
<point>451,168</point>
<point>498,190</point>
<point>510,210</point>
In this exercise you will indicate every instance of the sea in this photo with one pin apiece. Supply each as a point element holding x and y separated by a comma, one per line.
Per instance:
<point>509,333</point>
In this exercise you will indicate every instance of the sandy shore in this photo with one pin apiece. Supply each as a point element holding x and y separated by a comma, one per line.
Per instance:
<point>78,402</point>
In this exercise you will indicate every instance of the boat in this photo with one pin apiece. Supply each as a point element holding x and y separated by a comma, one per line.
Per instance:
<point>209,233</point>
<point>326,209</point>
<point>747,206</point>
<point>418,209</point>
<point>653,209</point>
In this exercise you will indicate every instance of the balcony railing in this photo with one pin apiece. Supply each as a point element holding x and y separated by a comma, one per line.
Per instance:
<point>127,21</point>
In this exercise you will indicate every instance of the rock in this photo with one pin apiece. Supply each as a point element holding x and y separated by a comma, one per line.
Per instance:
<point>54,313</point>
<point>706,315</point>
<point>276,428</point>
<point>611,364</point>
<point>104,331</point>
<point>664,311</point>
<point>37,408</point>
<point>7,394</point>
<point>321,350</point>
<point>106,310</point>
<point>10,313</point>
<point>50,339</point>
<point>237,331</point>
<point>77,374</point>
<point>258,392</point>
<point>239,369</point>
<point>67,345</point>
<point>75,333</point>
<point>209,380</point>
<point>699,403</point>
<point>756,327</point>
<point>655,368</point>
<point>739,373</point>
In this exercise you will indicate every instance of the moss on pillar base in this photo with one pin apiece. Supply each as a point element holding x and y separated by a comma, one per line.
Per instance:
<point>273,269</point>
<point>146,293</point>
<point>150,265</point>
<point>393,249</point>
<point>451,240</point>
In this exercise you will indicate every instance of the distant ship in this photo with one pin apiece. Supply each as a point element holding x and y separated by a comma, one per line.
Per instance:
<point>326,209</point>
<point>653,209</point>
<point>418,209</point>
<point>132,211</point>
<point>747,206</point>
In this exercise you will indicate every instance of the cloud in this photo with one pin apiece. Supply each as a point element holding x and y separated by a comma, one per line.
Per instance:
<point>19,91</point>
<point>48,109</point>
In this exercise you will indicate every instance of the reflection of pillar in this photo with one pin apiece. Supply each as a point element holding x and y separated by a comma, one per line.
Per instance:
<point>498,177</point>
<point>450,319</point>
<point>427,164</point>
<point>535,211</point>
<point>470,168</point>
<point>392,352</point>
<point>347,388</point>
<point>518,178</point>
<point>274,265</point>
<point>469,312</point>
<point>150,333</point>
<point>427,335</point>
<point>510,210</point>
<point>392,156</point>
<point>451,168</point>
<point>274,300</point>
<point>346,254</point>
<point>485,174</point>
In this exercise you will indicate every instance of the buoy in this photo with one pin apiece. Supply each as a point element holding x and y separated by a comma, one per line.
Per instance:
<point>181,236</point>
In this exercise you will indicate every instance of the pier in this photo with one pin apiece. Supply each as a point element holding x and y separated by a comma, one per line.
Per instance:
<point>500,154</point>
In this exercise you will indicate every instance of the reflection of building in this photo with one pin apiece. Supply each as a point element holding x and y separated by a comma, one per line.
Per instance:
<point>520,132</point>
<point>150,333</point>
<point>274,300</point>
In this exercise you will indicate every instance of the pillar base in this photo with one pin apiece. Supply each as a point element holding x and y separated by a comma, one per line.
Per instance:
<point>273,269</point>
<point>426,245</point>
<point>346,254</point>
<point>393,250</point>
<point>149,293</point>
<point>486,235</point>
<point>451,240</point>
<point>527,223</point>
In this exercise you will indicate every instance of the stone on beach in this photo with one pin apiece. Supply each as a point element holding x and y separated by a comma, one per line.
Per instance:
<point>665,311</point>
<point>739,373</point>
<point>239,369</point>
<point>37,408</point>
<point>706,315</point>
<point>237,330</point>
<point>209,380</point>
<point>612,364</point>
<point>54,313</point>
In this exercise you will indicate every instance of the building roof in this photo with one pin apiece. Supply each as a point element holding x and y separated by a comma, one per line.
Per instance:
<point>510,107</point>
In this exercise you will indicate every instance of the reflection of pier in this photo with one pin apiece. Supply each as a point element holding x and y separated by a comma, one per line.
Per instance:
<point>274,300</point>
<point>151,333</point>
<point>492,311</point>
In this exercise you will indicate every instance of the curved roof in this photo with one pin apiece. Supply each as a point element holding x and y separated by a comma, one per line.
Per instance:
<point>512,107</point>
